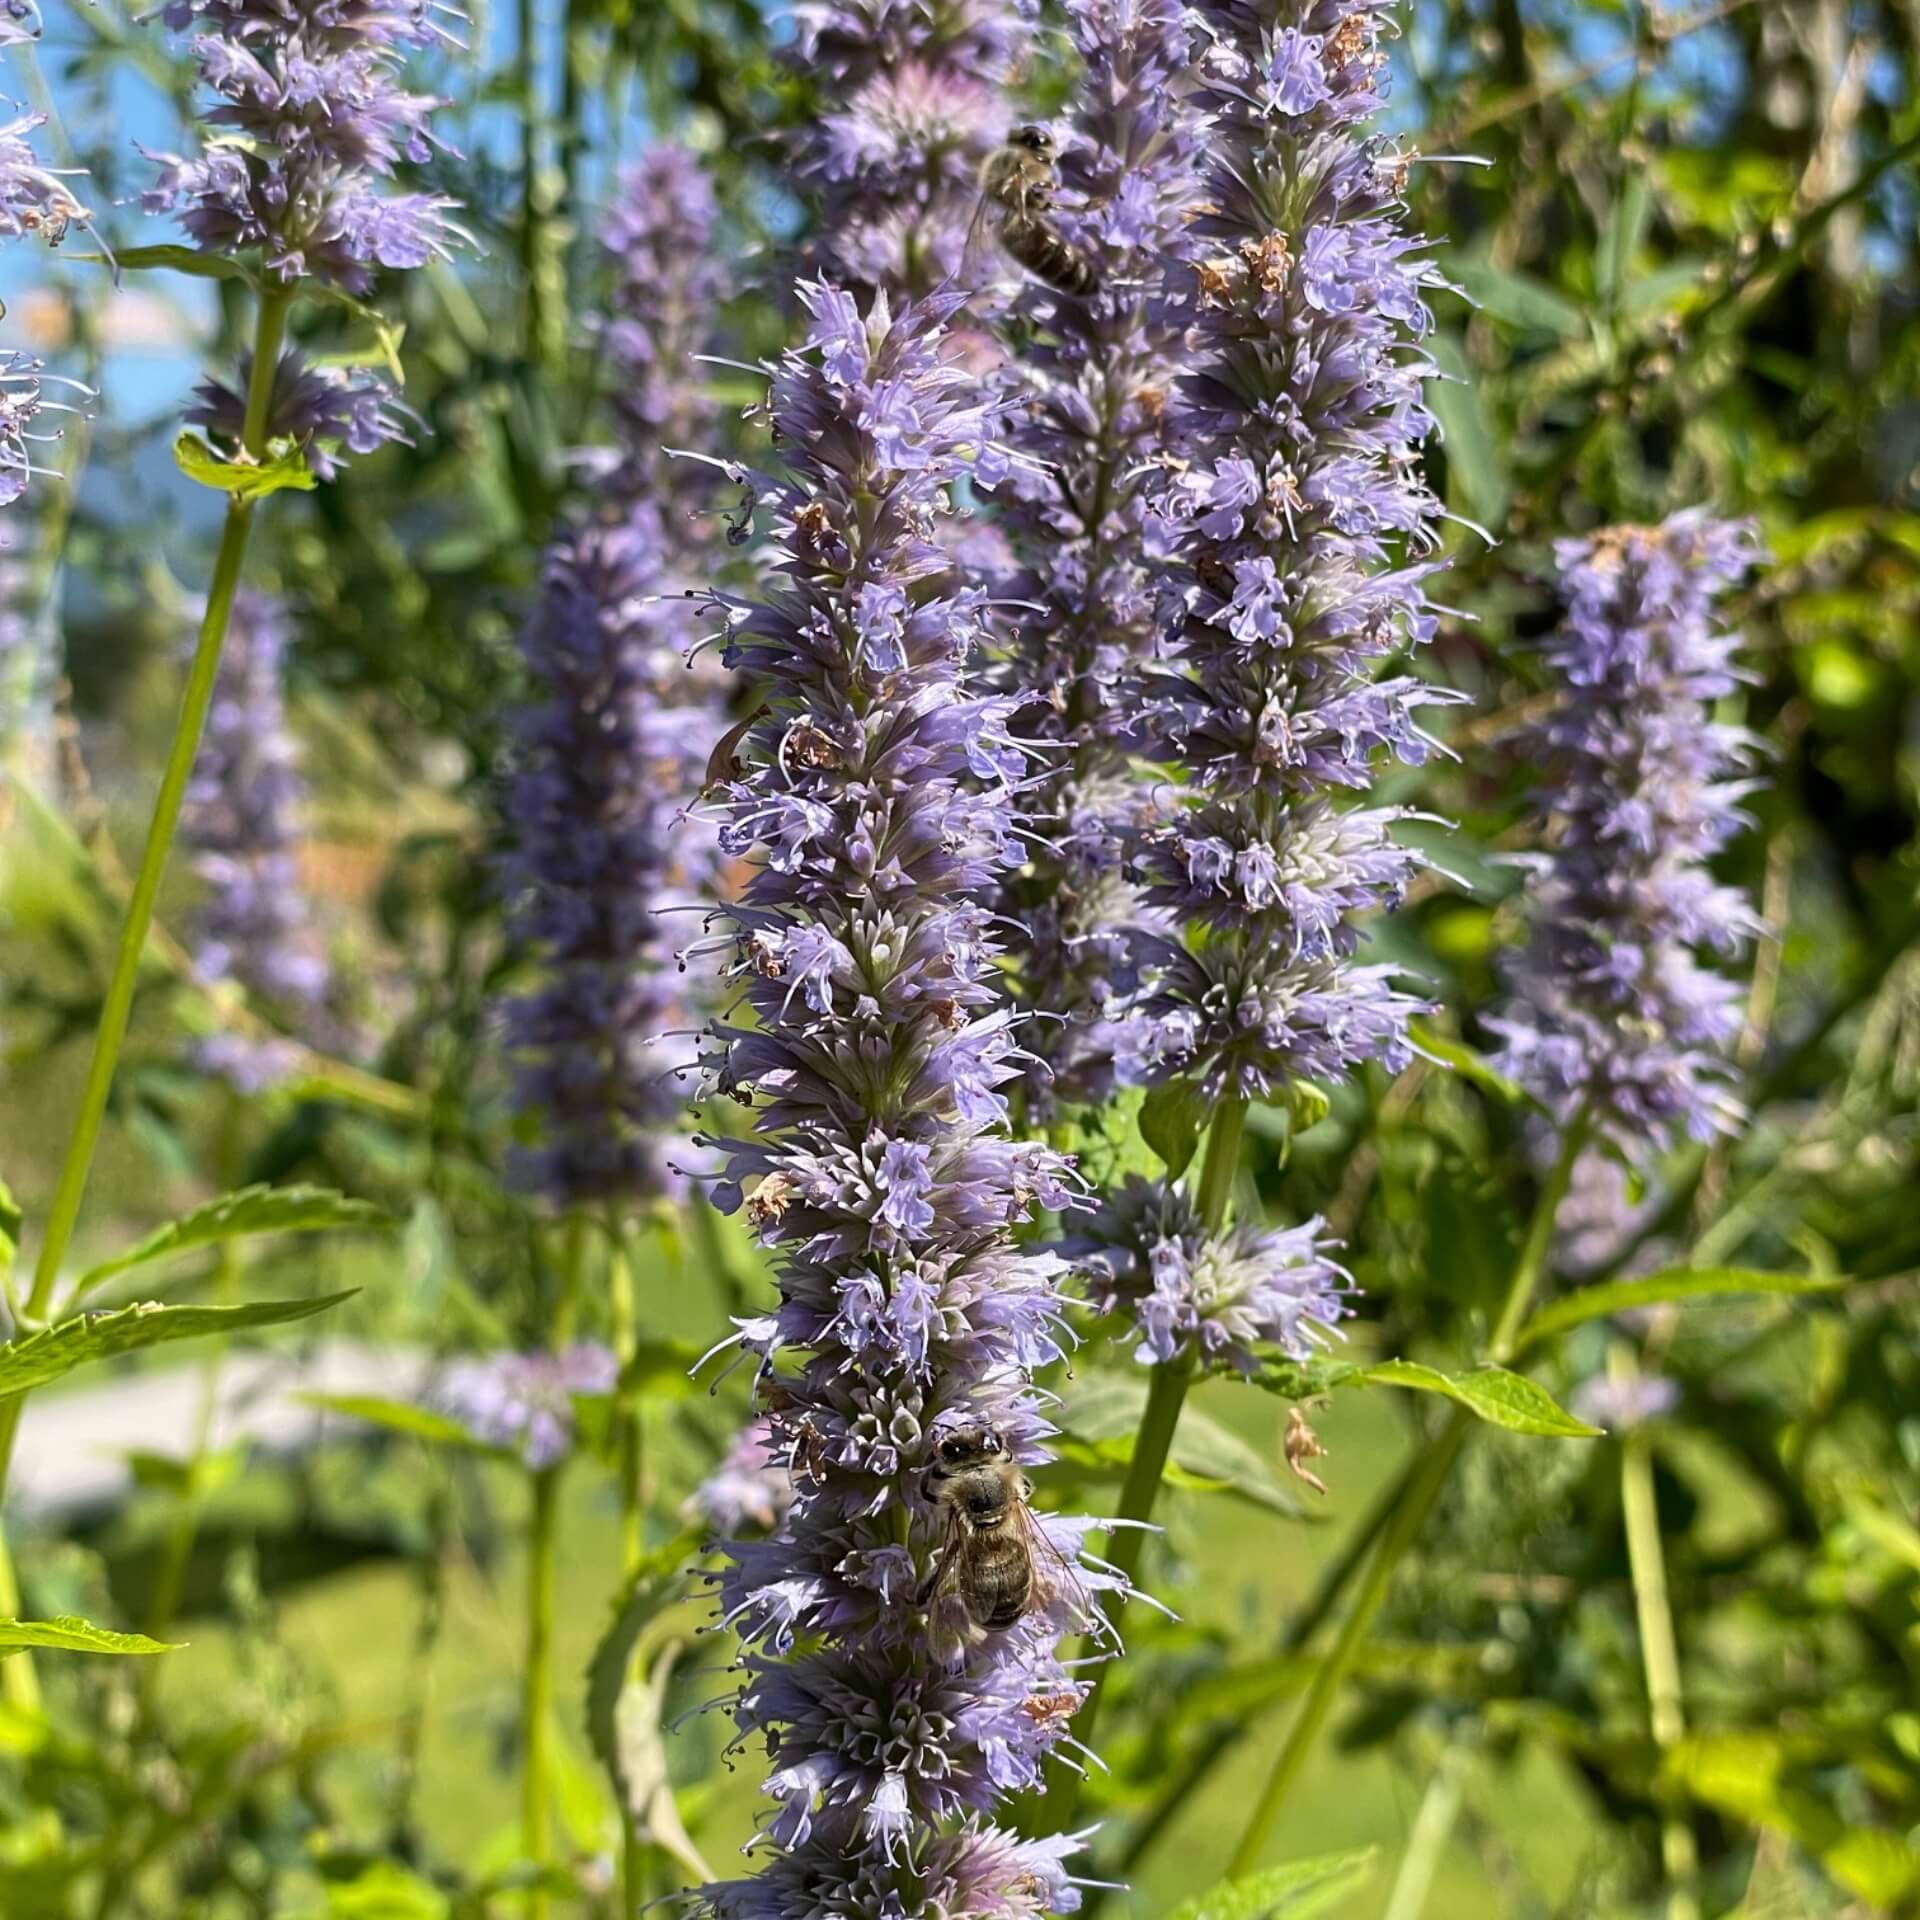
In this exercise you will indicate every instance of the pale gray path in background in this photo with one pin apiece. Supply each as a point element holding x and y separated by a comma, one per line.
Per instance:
<point>73,1446</point>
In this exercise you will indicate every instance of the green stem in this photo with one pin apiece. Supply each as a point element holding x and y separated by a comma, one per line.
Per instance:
<point>626,1339</point>
<point>537,1708</point>
<point>1153,1444</point>
<point>1222,1738</point>
<point>1659,1646</point>
<point>1432,1826</point>
<point>269,331</point>
<point>19,1684</point>
<point>1411,1516</point>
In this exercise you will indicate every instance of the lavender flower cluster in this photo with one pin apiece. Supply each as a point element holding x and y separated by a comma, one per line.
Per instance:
<point>1306,548</point>
<point>913,105</point>
<point>1612,1010</point>
<point>524,1402</point>
<point>34,199</point>
<point>879,799</point>
<point>311,126</point>
<point>1146,1250</point>
<point>614,745</point>
<point>240,821</point>
<point>1098,410</point>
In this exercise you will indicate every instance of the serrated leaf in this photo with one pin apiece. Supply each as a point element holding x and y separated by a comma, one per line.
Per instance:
<point>244,479</point>
<point>1500,1398</point>
<point>70,1634</point>
<point>1172,1119</point>
<point>173,259</point>
<point>57,1350</point>
<point>1665,1289</point>
<point>401,1416</point>
<point>1517,298</point>
<point>246,1211</point>
<point>1108,1406</point>
<point>1471,1065</point>
<point>1293,1890</point>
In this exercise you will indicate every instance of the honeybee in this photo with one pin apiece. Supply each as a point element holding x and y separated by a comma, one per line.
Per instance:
<point>988,1557</point>
<point>1019,177</point>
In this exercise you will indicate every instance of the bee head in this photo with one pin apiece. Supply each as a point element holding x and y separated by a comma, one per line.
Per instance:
<point>967,1446</point>
<point>1035,139</point>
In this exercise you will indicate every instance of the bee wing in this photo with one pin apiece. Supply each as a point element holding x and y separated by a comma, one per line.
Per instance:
<point>980,263</point>
<point>945,1567</point>
<point>1051,1568</point>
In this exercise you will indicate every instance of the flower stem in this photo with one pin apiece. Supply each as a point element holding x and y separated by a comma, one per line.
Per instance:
<point>626,1340</point>
<point>1659,1647</point>
<point>115,1009</point>
<point>1411,1516</point>
<point>1432,1826</point>
<point>1153,1444</point>
<point>537,1708</point>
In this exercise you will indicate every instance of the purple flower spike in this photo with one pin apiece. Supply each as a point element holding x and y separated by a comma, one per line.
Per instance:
<point>878,804</point>
<point>241,820</point>
<point>1146,1250</point>
<point>524,1401</point>
<point>615,741</point>
<point>1305,541</point>
<point>34,199</point>
<point>1098,407</point>
<point>328,412</point>
<point>914,107</point>
<point>314,122</point>
<point>1611,1008</point>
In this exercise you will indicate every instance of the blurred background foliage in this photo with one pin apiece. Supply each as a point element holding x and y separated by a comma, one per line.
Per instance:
<point>1690,265</point>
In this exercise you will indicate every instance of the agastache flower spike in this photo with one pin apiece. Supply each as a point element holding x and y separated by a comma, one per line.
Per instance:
<point>1612,1011</point>
<point>1097,406</point>
<point>879,800</point>
<point>253,925</point>
<point>1307,542</point>
<point>912,98</point>
<point>34,199</point>
<point>615,743</point>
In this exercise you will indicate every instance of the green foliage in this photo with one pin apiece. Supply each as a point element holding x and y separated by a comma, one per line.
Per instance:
<point>1492,1394</point>
<point>1288,1892</point>
<point>1664,1290</point>
<point>71,1634</point>
<point>245,479</point>
<point>1172,1118</point>
<point>37,1358</point>
<point>248,1212</point>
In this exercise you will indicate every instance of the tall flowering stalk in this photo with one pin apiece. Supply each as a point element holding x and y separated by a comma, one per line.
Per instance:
<point>1613,1010</point>
<point>879,799</point>
<point>1621,1028</point>
<point>1098,408</point>
<point>1305,541</point>
<point>291,183</point>
<point>253,925</point>
<point>912,106</point>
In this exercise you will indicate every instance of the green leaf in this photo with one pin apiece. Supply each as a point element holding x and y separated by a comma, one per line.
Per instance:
<point>9,1221</point>
<point>1663,1289</point>
<point>400,1416</point>
<point>387,334</point>
<point>1500,1398</point>
<point>1291,1891</point>
<point>285,466</point>
<point>1172,1118</point>
<point>624,1709</point>
<point>57,1350</point>
<point>1470,1064</point>
<point>203,266</point>
<point>1108,1406</point>
<point>1517,298</point>
<point>386,1891</point>
<point>70,1634</point>
<point>247,1211</point>
<point>1651,294</point>
<point>1621,240</point>
<point>1477,476</point>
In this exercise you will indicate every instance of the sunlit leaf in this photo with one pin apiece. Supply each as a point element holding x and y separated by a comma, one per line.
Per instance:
<point>245,479</point>
<point>70,1634</point>
<point>57,1350</point>
<point>1666,1289</point>
<point>400,1416</point>
<point>1292,1891</point>
<point>244,1212</point>
<point>1500,1398</point>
